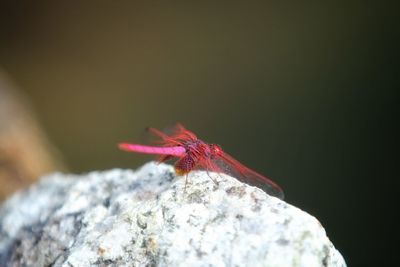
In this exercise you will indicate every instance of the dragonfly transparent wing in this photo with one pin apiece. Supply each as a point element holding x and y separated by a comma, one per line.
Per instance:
<point>173,136</point>
<point>227,164</point>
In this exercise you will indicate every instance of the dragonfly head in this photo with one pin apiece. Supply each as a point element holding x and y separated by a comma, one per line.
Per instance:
<point>215,150</point>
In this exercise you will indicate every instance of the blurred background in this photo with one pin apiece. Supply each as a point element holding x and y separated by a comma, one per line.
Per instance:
<point>304,93</point>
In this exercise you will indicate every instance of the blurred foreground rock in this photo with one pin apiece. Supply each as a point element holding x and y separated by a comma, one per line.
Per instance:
<point>144,218</point>
<point>25,152</point>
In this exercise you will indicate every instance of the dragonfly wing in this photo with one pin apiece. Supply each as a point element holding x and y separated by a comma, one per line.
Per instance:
<point>227,164</point>
<point>181,133</point>
<point>174,136</point>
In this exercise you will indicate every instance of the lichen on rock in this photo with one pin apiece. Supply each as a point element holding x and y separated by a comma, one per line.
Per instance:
<point>145,218</point>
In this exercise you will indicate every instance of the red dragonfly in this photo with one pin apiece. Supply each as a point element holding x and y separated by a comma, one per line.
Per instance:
<point>195,154</point>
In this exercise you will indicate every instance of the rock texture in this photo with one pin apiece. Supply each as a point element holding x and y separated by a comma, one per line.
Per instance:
<point>144,218</point>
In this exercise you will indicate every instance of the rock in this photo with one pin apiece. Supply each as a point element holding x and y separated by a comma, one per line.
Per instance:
<point>145,218</point>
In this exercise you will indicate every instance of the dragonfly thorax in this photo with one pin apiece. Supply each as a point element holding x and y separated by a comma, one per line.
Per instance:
<point>199,148</point>
<point>196,151</point>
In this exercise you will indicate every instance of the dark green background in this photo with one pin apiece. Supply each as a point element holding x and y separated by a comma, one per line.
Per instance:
<point>305,93</point>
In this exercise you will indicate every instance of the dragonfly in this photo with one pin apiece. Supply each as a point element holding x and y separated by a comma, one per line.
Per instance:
<point>192,153</point>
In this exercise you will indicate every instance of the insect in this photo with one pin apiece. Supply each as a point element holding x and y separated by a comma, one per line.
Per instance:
<point>195,154</point>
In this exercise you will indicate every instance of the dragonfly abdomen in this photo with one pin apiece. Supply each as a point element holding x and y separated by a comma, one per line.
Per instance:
<point>176,151</point>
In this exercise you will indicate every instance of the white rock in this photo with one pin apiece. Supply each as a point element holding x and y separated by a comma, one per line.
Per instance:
<point>144,218</point>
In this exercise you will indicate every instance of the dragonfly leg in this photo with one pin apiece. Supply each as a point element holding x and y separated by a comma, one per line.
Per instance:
<point>164,158</point>
<point>186,178</point>
<point>215,181</point>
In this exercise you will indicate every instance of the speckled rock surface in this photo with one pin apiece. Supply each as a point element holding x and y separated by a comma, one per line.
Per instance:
<point>144,218</point>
